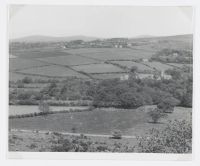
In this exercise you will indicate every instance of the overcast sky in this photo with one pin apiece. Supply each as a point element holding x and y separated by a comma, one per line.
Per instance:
<point>99,21</point>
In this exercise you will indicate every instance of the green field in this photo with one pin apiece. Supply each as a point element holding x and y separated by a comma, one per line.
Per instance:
<point>107,76</point>
<point>27,109</point>
<point>52,71</point>
<point>22,63</point>
<point>17,76</point>
<point>130,122</point>
<point>69,60</point>
<point>97,68</point>
<point>179,65</point>
<point>112,53</point>
<point>158,65</point>
<point>130,64</point>
<point>39,52</point>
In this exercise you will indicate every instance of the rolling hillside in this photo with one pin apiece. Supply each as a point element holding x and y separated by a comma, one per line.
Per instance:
<point>87,62</point>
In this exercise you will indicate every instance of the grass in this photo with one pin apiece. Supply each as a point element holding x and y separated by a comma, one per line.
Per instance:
<point>130,122</point>
<point>39,142</point>
<point>27,109</point>
<point>179,65</point>
<point>130,64</point>
<point>107,76</point>
<point>52,71</point>
<point>39,52</point>
<point>97,68</point>
<point>111,53</point>
<point>69,60</point>
<point>22,63</point>
<point>158,65</point>
<point>18,76</point>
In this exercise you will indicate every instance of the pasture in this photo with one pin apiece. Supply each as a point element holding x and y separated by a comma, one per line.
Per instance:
<point>158,65</point>
<point>39,52</point>
<point>107,75</point>
<point>27,109</point>
<point>19,76</point>
<point>99,121</point>
<point>97,68</point>
<point>69,60</point>
<point>129,64</point>
<point>23,63</point>
<point>179,65</point>
<point>111,53</point>
<point>52,71</point>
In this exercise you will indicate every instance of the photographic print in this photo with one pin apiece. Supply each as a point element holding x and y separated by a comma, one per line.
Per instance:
<point>100,79</point>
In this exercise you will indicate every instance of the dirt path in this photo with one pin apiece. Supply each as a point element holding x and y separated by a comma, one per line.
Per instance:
<point>68,133</point>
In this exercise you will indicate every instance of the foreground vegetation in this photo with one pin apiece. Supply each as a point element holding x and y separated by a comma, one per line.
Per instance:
<point>175,138</point>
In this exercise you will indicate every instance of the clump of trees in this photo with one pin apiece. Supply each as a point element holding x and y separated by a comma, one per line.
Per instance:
<point>136,92</point>
<point>175,138</point>
<point>173,56</point>
<point>130,93</point>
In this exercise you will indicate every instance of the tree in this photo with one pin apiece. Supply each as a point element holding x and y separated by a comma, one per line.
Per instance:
<point>156,114</point>
<point>44,107</point>
<point>176,74</point>
<point>156,74</point>
<point>167,105</point>
<point>133,72</point>
<point>27,80</point>
<point>130,99</point>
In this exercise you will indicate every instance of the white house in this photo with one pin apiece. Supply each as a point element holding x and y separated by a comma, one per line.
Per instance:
<point>145,60</point>
<point>124,77</point>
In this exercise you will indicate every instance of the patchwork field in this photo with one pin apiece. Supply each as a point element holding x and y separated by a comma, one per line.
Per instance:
<point>49,61</point>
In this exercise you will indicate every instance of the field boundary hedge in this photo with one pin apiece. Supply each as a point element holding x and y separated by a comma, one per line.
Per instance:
<point>50,112</point>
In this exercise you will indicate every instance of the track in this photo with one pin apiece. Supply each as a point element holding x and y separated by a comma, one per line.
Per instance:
<point>68,133</point>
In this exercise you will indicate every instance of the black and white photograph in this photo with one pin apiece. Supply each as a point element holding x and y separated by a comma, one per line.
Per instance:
<point>111,79</point>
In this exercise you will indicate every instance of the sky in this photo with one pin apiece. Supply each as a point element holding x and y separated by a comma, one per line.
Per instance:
<point>98,21</point>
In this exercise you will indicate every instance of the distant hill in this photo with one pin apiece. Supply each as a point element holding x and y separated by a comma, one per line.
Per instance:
<point>186,37</point>
<point>39,38</point>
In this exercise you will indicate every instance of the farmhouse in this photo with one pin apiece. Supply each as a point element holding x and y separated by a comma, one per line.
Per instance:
<point>124,77</point>
<point>145,60</point>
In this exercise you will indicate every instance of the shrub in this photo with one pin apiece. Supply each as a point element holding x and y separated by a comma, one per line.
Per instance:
<point>116,134</point>
<point>175,138</point>
<point>156,114</point>
<point>73,129</point>
<point>27,80</point>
